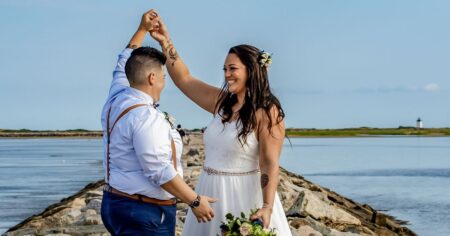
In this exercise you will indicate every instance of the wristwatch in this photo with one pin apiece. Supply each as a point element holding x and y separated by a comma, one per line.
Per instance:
<point>195,203</point>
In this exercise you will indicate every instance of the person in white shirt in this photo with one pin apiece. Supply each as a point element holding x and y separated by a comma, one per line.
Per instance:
<point>142,149</point>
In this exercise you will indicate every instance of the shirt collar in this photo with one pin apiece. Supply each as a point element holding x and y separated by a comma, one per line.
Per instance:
<point>138,93</point>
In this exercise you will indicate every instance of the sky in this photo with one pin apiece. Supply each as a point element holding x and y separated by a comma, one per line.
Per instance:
<point>336,63</point>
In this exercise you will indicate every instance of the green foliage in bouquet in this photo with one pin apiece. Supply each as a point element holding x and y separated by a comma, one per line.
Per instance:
<point>243,226</point>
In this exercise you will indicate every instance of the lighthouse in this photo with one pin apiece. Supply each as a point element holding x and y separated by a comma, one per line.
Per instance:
<point>419,123</point>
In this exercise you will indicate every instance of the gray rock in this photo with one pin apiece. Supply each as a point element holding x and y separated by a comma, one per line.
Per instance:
<point>318,226</point>
<point>94,204</point>
<point>74,213</point>
<point>90,212</point>
<point>192,152</point>
<point>308,231</point>
<point>308,204</point>
<point>94,194</point>
<point>78,203</point>
<point>93,220</point>
<point>338,233</point>
<point>195,173</point>
<point>65,217</point>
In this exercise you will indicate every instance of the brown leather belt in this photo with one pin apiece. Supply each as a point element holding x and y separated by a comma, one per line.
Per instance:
<point>141,198</point>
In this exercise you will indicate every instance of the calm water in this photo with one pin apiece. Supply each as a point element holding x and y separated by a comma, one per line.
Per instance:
<point>35,173</point>
<point>408,176</point>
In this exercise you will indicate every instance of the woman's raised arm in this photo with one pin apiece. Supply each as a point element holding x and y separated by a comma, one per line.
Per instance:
<point>198,91</point>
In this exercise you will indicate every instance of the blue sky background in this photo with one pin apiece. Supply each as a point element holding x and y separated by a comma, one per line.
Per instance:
<point>340,63</point>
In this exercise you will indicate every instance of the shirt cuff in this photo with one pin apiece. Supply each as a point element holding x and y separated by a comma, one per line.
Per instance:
<point>168,173</point>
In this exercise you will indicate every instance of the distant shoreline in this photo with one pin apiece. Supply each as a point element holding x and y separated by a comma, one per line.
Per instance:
<point>290,132</point>
<point>369,132</point>
<point>49,134</point>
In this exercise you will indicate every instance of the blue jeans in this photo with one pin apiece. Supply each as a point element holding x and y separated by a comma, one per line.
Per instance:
<point>124,216</point>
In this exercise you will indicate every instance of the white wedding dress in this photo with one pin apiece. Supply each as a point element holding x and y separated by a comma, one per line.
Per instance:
<point>229,175</point>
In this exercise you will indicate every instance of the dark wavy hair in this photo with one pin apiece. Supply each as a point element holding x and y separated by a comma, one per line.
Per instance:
<point>257,96</point>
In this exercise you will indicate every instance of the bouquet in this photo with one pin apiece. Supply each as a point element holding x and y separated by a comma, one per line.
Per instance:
<point>243,226</point>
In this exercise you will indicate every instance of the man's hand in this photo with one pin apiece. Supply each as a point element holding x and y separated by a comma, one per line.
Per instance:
<point>149,21</point>
<point>160,33</point>
<point>204,212</point>
<point>264,215</point>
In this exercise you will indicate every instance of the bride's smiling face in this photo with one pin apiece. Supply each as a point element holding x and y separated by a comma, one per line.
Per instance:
<point>235,74</point>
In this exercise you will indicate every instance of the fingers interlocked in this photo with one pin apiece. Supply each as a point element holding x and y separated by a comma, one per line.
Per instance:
<point>150,21</point>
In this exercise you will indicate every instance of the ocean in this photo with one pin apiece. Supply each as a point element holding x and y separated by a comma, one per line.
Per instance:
<point>35,173</point>
<point>408,177</point>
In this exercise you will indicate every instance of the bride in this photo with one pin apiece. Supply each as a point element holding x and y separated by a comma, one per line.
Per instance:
<point>243,141</point>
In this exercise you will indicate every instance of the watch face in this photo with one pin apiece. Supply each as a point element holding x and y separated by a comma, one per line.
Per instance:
<point>196,203</point>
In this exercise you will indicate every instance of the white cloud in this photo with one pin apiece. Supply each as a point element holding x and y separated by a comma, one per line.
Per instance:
<point>431,87</point>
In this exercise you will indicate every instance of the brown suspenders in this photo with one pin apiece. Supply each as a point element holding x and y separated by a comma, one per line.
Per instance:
<point>109,131</point>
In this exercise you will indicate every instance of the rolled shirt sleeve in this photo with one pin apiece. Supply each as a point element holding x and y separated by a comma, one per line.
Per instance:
<point>152,144</point>
<point>119,77</point>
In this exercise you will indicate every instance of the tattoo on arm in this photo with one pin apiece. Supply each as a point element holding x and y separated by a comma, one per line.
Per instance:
<point>132,46</point>
<point>173,54</point>
<point>264,180</point>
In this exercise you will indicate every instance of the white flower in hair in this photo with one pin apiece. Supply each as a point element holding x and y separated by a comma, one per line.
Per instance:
<point>265,59</point>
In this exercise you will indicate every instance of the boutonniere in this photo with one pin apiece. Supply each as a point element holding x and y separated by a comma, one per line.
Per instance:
<point>169,119</point>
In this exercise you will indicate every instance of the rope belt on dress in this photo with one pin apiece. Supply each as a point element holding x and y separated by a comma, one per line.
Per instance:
<point>212,171</point>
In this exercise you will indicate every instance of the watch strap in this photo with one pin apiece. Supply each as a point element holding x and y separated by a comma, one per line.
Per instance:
<point>196,202</point>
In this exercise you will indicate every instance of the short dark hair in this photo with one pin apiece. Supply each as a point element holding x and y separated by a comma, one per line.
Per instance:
<point>141,59</point>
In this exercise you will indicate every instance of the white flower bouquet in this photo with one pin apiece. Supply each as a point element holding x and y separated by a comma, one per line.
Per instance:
<point>243,226</point>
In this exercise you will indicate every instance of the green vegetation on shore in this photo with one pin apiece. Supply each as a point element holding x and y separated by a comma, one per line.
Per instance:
<point>366,131</point>
<point>26,133</point>
<point>44,131</point>
<point>291,132</point>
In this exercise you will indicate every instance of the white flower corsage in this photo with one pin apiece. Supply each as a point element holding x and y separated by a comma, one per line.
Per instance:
<point>170,119</point>
<point>265,59</point>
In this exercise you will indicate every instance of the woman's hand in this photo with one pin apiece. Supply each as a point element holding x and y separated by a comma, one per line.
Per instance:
<point>264,215</point>
<point>149,21</point>
<point>160,34</point>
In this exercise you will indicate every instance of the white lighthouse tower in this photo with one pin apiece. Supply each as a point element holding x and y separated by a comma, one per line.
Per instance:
<point>419,123</point>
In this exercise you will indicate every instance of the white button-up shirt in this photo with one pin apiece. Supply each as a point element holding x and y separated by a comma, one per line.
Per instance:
<point>140,148</point>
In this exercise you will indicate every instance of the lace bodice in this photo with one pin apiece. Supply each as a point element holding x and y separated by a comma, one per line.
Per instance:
<point>224,151</point>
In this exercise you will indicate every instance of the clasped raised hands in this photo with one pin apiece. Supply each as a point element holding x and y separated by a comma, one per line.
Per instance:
<point>152,23</point>
<point>149,21</point>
